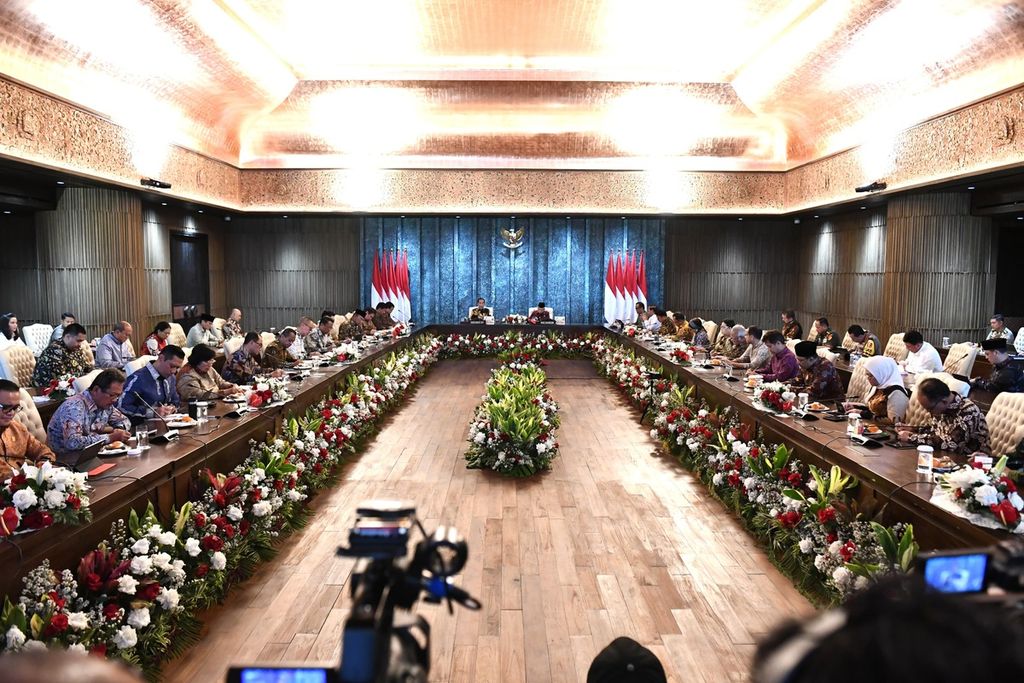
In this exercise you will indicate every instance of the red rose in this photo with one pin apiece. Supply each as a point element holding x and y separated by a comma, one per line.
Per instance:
<point>212,543</point>
<point>228,530</point>
<point>199,519</point>
<point>74,502</point>
<point>255,400</point>
<point>847,551</point>
<point>58,624</point>
<point>17,482</point>
<point>99,650</point>
<point>148,591</point>
<point>1008,483</point>
<point>830,538</point>
<point>8,521</point>
<point>827,515</point>
<point>1007,513</point>
<point>755,451</point>
<point>279,485</point>
<point>243,527</point>
<point>38,519</point>
<point>327,414</point>
<point>795,479</point>
<point>111,611</point>
<point>202,570</point>
<point>257,495</point>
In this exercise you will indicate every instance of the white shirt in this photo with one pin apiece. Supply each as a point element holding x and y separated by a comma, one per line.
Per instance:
<point>297,350</point>
<point>1006,333</point>
<point>925,360</point>
<point>652,324</point>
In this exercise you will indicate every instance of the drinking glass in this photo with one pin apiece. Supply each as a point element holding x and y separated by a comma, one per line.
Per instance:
<point>801,400</point>
<point>142,437</point>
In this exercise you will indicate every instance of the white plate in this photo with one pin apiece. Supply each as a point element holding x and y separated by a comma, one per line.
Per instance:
<point>179,424</point>
<point>41,399</point>
<point>113,451</point>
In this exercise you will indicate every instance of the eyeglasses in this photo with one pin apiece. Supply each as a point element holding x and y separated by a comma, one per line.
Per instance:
<point>11,409</point>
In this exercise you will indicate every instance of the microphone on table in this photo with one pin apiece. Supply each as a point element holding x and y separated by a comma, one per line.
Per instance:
<point>169,434</point>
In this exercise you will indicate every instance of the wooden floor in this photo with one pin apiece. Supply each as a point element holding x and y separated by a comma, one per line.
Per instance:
<point>616,540</point>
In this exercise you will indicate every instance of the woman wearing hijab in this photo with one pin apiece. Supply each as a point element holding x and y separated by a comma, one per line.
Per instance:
<point>887,399</point>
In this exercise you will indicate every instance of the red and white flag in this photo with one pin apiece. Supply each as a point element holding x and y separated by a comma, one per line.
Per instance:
<point>641,281</point>
<point>390,282</point>
<point>376,281</point>
<point>609,293</point>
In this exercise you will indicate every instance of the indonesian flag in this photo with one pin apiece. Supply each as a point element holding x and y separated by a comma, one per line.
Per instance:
<point>630,285</point>
<point>376,281</point>
<point>609,293</point>
<point>641,281</point>
<point>620,289</point>
<point>403,303</point>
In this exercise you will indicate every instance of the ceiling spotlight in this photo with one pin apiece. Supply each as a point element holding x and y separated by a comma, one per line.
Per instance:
<point>163,203</point>
<point>1020,218</point>
<point>873,187</point>
<point>152,182</point>
<point>200,210</point>
<point>796,221</point>
<point>740,218</point>
<point>970,187</point>
<point>60,182</point>
<point>815,215</point>
<point>284,216</point>
<point>7,212</point>
<point>863,207</point>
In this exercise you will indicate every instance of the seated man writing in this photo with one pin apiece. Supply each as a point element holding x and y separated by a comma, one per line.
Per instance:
<point>154,384</point>
<point>90,417</point>
<point>540,314</point>
<point>818,376</point>
<point>480,311</point>
<point>17,445</point>
<point>957,424</point>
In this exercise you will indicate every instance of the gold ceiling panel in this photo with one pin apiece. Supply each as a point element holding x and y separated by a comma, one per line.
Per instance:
<point>587,84</point>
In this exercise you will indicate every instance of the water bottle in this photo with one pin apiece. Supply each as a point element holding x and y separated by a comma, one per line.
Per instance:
<point>853,424</point>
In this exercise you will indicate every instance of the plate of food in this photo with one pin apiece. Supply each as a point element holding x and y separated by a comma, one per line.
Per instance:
<point>717,362</point>
<point>817,407</point>
<point>943,464</point>
<point>875,432</point>
<point>115,448</point>
<point>182,422</point>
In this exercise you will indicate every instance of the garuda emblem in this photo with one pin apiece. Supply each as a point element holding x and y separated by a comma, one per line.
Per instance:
<point>513,238</point>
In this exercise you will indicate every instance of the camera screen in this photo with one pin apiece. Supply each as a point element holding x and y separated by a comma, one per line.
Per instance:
<point>957,573</point>
<point>283,676</point>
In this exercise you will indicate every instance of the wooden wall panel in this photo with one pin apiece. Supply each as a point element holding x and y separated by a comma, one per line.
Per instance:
<point>939,266</point>
<point>277,270</point>
<point>724,268</point>
<point>842,270</point>
<point>90,257</point>
<point>19,276</point>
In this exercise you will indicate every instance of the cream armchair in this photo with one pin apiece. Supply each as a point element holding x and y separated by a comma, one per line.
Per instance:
<point>711,327</point>
<point>177,336</point>
<point>37,337</point>
<point>83,383</point>
<point>1006,422</point>
<point>895,348</point>
<point>29,416</point>
<point>232,345</point>
<point>137,364</point>
<point>960,359</point>
<point>17,364</point>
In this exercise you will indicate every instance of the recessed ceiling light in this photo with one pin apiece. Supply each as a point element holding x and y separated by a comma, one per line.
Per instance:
<point>970,187</point>
<point>815,216</point>
<point>1020,218</point>
<point>863,207</point>
<point>7,212</point>
<point>200,210</point>
<point>60,182</point>
<point>284,216</point>
<point>163,203</point>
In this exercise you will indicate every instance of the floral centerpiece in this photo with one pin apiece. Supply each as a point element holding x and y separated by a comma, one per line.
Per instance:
<point>60,388</point>
<point>988,499</point>
<point>514,319</point>
<point>513,430</point>
<point>36,497</point>
<point>681,356</point>
<point>398,330</point>
<point>268,391</point>
<point>346,352</point>
<point>630,331</point>
<point>774,397</point>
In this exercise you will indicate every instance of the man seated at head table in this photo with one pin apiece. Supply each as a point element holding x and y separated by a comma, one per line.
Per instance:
<point>276,355</point>
<point>246,363</point>
<point>641,312</point>
<point>154,384</point>
<point>202,332</point>
<point>17,445</point>
<point>957,424</point>
<point>198,380</point>
<point>668,327</point>
<point>999,330</point>
<point>480,311</point>
<point>684,332</point>
<point>922,356</point>
<point>319,340</point>
<point>783,366</point>
<point>58,329</point>
<point>382,319</point>
<point>755,354</point>
<point>62,357</point>
<point>652,323</point>
<point>361,322</point>
<point>540,313</point>
<point>233,324</point>
<point>865,341</point>
<point>90,417</point>
<point>791,329</point>
<point>726,346</point>
<point>115,350</point>
<point>823,334</point>
<point>1006,374</point>
<point>818,377</point>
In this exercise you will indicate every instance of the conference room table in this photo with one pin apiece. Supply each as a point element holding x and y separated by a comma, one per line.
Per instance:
<point>169,475</point>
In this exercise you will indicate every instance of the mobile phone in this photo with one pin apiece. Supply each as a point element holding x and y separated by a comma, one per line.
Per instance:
<point>281,674</point>
<point>956,572</point>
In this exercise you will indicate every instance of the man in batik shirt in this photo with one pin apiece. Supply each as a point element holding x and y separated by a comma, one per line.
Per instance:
<point>818,376</point>
<point>957,424</point>
<point>90,417</point>
<point>62,357</point>
<point>245,363</point>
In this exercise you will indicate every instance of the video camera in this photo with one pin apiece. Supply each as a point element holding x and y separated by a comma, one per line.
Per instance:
<point>377,646</point>
<point>974,571</point>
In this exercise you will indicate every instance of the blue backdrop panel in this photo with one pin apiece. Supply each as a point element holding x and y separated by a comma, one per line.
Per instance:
<point>562,261</point>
